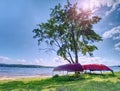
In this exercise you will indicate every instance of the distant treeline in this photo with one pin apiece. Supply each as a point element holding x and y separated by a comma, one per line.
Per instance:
<point>115,66</point>
<point>27,66</point>
<point>32,66</point>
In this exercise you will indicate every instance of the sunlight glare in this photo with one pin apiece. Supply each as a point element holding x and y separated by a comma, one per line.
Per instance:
<point>85,6</point>
<point>89,4</point>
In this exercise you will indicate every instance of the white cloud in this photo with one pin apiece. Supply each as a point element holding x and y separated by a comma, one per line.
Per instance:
<point>8,60</point>
<point>112,33</point>
<point>82,60</point>
<point>38,61</point>
<point>113,4</point>
<point>117,46</point>
<point>2,58</point>
<point>99,3</point>
<point>97,60</point>
<point>59,61</point>
<point>116,37</point>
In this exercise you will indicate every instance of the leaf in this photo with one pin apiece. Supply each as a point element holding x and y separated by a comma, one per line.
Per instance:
<point>69,31</point>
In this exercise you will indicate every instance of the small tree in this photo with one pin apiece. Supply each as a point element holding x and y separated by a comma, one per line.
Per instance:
<point>69,31</point>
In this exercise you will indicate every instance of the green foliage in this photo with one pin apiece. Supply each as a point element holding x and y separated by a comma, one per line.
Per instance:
<point>55,76</point>
<point>68,78</point>
<point>86,82</point>
<point>70,30</point>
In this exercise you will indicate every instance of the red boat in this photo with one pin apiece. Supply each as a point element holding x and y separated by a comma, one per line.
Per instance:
<point>96,67</point>
<point>69,67</point>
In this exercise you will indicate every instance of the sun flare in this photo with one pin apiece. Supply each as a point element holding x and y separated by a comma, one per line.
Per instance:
<point>89,4</point>
<point>85,6</point>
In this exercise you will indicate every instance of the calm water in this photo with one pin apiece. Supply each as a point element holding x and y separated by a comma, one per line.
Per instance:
<point>15,71</point>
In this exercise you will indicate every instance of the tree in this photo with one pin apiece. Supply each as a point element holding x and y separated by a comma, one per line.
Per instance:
<point>70,31</point>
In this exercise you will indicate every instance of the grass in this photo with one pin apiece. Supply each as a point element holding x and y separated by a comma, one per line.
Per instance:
<point>84,82</point>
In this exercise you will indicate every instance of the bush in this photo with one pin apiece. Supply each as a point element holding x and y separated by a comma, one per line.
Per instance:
<point>55,76</point>
<point>67,77</point>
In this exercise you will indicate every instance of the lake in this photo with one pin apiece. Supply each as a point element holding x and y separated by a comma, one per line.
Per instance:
<point>19,71</point>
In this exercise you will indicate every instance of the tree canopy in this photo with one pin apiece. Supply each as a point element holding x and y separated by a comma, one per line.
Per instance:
<point>70,31</point>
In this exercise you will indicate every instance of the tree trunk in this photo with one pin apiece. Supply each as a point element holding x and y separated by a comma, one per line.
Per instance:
<point>76,56</point>
<point>75,45</point>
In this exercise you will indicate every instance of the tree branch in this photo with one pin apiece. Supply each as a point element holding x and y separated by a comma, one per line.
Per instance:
<point>62,52</point>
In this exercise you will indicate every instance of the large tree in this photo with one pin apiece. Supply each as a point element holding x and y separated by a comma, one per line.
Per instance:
<point>69,31</point>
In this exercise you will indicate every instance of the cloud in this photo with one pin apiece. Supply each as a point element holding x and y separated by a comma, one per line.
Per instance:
<point>83,60</point>
<point>97,60</point>
<point>59,61</point>
<point>38,61</point>
<point>99,3</point>
<point>112,4</point>
<point>117,46</point>
<point>56,61</point>
<point>116,37</point>
<point>113,33</point>
<point>114,7</point>
<point>8,60</point>
<point>2,58</point>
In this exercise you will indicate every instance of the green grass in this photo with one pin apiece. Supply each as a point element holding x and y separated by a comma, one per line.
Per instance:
<point>83,82</point>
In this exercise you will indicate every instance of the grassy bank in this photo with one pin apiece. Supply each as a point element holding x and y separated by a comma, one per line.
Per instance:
<point>84,82</point>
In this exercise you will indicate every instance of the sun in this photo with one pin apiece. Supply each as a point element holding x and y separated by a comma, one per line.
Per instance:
<point>88,4</point>
<point>85,6</point>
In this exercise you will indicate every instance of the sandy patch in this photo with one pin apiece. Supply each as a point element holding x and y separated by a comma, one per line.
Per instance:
<point>20,77</point>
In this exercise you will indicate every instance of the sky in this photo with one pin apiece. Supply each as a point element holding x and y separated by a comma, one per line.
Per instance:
<point>18,18</point>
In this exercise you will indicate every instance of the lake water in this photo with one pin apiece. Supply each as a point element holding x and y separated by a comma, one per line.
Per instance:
<point>19,71</point>
<point>16,71</point>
